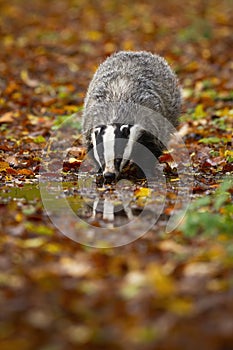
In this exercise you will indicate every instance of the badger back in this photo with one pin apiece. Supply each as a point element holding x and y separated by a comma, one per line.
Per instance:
<point>137,78</point>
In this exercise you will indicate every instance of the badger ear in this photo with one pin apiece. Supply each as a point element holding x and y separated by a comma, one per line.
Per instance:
<point>98,129</point>
<point>125,130</point>
<point>124,126</point>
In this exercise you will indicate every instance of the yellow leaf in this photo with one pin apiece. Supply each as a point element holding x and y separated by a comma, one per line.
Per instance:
<point>38,229</point>
<point>142,192</point>
<point>19,217</point>
<point>33,242</point>
<point>228,153</point>
<point>162,282</point>
<point>52,248</point>
<point>109,47</point>
<point>180,306</point>
<point>128,45</point>
<point>216,285</point>
<point>4,166</point>
<point>94,35</point>
<point>199,111</point>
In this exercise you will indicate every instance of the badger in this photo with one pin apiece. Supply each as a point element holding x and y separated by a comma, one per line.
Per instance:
<point>133,99</point>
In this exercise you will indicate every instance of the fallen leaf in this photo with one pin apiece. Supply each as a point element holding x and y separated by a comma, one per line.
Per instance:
<point>7,117</point>
<point>142,192</point>
<point>4,166</point>
<point>27,80</point>
<point>26,172</point>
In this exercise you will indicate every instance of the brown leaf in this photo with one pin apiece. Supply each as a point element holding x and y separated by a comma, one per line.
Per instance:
<point>77,152</point>
<point>166,158</point>
<point>227,168</point>
<point>11,171</point>
<point>26,172</point>
<point>7,117</point>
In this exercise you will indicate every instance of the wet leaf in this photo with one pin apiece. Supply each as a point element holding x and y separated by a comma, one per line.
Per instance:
<point>143,192</point>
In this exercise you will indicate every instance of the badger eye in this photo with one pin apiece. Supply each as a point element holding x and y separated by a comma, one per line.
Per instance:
<point>99,130</point>
<point>125,130</point>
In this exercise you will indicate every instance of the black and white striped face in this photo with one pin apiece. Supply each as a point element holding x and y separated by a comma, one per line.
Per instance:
<point>112,147</point>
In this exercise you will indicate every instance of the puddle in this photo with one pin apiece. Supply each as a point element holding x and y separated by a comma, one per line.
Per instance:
<point>89,214</point>
<point>28,192</point>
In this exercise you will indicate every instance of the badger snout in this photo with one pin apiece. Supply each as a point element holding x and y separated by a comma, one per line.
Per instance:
<point>112,146</point>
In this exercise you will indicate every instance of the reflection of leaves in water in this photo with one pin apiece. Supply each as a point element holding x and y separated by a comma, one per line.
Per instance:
<point>29,192</point>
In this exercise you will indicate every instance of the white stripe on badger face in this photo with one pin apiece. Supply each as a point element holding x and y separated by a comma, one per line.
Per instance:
<point>93,138</point>
<point>133,136</point>
<point>109,153</point>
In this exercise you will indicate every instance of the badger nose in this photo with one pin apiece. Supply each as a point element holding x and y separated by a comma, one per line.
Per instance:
<point>109,177</point>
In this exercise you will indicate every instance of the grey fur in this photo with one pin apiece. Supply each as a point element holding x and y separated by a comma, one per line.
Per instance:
<point>128,83</point>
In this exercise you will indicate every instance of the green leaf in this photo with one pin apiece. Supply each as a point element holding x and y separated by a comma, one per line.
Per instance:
<point>225,185</point>
<point>201,202</point>
<point>39,229</point>
<point>220,200</point>
<point>199,112</point>
<point>202,217</point>
<point>210,140</point>
<point>39,139</point>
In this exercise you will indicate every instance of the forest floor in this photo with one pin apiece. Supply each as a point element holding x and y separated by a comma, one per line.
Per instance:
<point>63,286</point>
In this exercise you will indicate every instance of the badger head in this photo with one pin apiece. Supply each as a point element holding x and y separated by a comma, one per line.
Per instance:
<point>112,147</point>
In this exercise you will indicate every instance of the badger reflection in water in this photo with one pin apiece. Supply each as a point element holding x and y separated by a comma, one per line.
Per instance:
<point>108,213</point>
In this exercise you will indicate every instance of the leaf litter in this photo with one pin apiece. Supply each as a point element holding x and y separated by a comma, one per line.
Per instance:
<point>163,287</point>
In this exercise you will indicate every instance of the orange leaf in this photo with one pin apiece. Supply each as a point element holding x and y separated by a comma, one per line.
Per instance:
<point>25,172</point>
<point>165,158</point>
